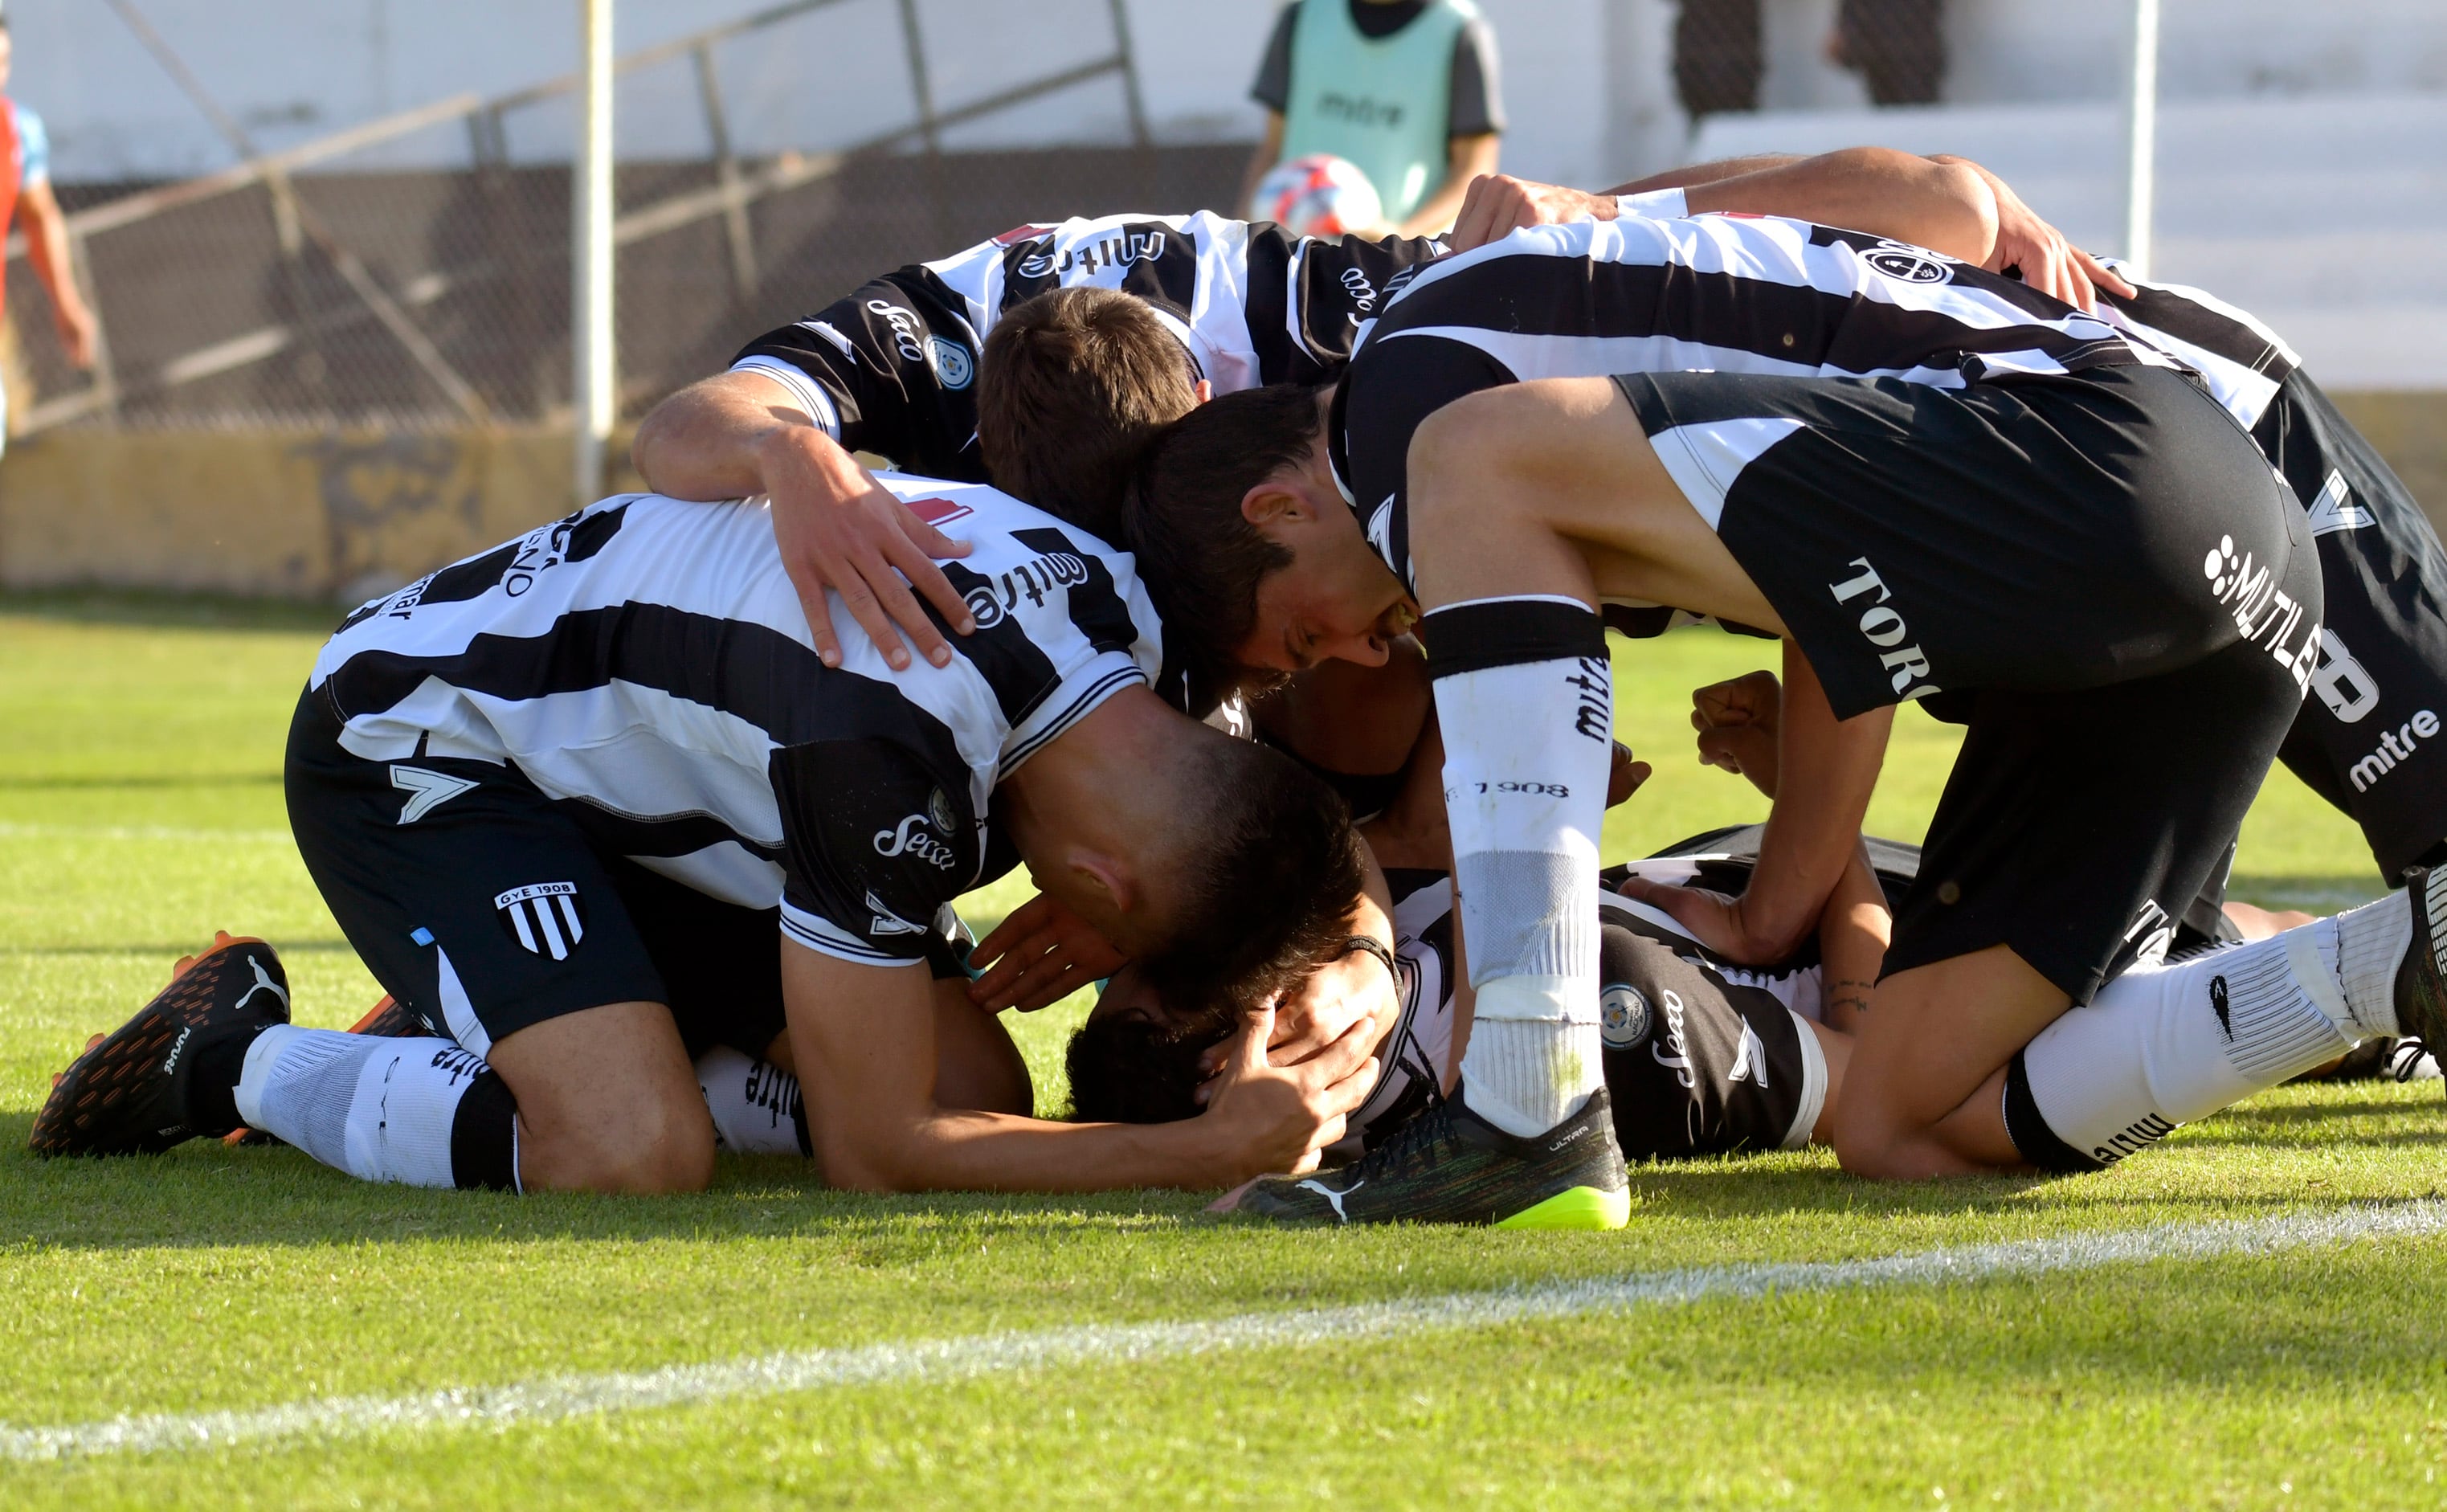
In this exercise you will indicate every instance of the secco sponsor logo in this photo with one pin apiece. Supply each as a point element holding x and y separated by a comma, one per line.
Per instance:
<point>2395,746</point>
<point>904,325</point>
<point>1679,1062</point>
<point>911,837</point>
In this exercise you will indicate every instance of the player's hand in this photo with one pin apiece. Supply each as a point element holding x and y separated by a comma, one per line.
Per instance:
<point>2036,252</point>
<point>1715,920</point>
<point>74,324</point>
<point>1272,1117</point>
<point>1498,205</point>
<point>1040,955</point>
<point>1624,775</point>
<point>839,528</point>
<point>1737,721</point>
<point>1354,991</point>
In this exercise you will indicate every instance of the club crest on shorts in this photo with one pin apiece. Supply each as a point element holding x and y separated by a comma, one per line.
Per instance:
<point>1622,1016</point>
<point>545,917</point>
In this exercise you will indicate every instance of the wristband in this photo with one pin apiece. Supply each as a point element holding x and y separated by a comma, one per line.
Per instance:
<point>1375,948</point>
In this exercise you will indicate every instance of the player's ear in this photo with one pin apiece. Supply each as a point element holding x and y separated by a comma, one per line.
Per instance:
<point>1204,389</point>
<point>1275,501</point>
<point>1103,873</point>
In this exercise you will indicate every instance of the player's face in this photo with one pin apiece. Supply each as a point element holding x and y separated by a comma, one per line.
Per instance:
<point>1335,601</point>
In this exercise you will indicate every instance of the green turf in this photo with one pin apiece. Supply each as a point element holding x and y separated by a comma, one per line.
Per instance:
<point>139,808</point>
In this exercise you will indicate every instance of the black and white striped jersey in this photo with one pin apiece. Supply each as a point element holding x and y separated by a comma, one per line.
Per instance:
<point>892,368</point>
<point>1417,1054</point>
<point>1723,292</point>
<point>646,664</point>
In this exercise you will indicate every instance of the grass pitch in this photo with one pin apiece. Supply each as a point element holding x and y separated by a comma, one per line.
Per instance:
<point>140,809</point>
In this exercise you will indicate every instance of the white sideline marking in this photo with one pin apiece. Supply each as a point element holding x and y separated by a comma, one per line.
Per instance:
<point>560,1397</point>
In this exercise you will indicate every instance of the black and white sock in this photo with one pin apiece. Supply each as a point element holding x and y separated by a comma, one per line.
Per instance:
<point>420,1111</point>
<point>756,1105</point>
<point>1526,703</point>
<point>2162,1045</point>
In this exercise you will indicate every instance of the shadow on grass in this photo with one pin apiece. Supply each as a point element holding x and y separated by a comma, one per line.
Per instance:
<point>124,606</point>
<point>286,947</point>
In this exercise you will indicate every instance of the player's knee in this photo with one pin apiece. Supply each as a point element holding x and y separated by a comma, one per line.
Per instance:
<point>1867,1140</point>
<point>656,1149</point>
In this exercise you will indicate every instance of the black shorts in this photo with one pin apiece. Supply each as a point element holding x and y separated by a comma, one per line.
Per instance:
<point>2080,828</point>
<point>2372,738</point>
<point>2042,535</point>
<point>485,908</point>
<point>1698,1066</point>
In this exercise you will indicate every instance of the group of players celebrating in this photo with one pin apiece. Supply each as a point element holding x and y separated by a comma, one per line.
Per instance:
<point>1312,775</point>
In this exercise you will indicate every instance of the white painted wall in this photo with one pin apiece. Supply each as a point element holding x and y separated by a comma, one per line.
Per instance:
<point>2290,126</point>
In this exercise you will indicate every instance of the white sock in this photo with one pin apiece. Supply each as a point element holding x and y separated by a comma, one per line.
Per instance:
<point>2162,1045</point>
<point>420,1111</point>
<point>1524,701</point>
<point>756,1105</point>
<point>2365,946</point>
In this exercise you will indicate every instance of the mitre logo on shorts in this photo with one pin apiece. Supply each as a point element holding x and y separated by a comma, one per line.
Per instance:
<point>1908,264</point>
<point>545,917</point>
<point>1622,1016</point>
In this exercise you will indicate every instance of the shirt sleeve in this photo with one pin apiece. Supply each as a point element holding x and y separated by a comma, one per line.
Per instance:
<point>876,843</point>
<point>1477,83</point>
<point>1274,87</point>
<point>33,148</point>
<point>890,369</point>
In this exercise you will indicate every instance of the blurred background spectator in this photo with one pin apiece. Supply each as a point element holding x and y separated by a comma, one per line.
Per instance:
<point>1897,47</point>
<point>25,195</point>
<point>1406,90</point>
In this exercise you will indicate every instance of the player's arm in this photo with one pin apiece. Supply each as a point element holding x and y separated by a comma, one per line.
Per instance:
<point>1825,769</point>
<point>1853,933</point>
<point>1467,160</point>
<point>47,247</point>
<point>1944,206</point>
<point>2031,250</point>
<point>1270,148</point>
<point>864,1040</point>
<point>782,421</point>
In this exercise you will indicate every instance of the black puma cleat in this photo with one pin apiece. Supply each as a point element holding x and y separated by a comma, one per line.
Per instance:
<point>1449,1165</point>
<point>2421,980</point>
<point>127,1094</point>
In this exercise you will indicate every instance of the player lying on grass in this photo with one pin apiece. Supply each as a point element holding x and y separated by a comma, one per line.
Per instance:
<point>1974,490</point>
<point>591,803</point>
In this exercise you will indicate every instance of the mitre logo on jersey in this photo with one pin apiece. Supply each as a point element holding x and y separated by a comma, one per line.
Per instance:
<point>1115,250</point>
<point>545,917</point>
<point>993,601</point>
<point>1909,264</point>
<point>887,923</point>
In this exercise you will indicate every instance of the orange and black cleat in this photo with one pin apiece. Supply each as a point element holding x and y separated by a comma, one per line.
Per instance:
<point>390,1019</point>
<point>127,1094</point>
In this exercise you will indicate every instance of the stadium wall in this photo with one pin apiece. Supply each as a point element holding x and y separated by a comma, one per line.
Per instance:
<point>344,516</point>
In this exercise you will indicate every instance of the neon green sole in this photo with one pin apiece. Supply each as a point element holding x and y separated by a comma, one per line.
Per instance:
<point>1582,1207</point>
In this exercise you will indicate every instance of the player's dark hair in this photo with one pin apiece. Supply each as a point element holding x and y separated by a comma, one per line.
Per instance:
<point>1199,558</point>
<point>1133,1070</point>
<point>1075,384</point>
<point>1268,882</point>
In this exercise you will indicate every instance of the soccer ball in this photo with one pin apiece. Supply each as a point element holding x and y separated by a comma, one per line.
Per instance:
<point>1316,196</point>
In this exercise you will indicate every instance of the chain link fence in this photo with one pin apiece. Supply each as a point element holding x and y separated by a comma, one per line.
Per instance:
<point>326,286</point>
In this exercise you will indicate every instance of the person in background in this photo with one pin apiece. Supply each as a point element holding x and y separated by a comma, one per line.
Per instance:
<point>25,186</point>
<point>1406,89</point>
<point>1897,47</point>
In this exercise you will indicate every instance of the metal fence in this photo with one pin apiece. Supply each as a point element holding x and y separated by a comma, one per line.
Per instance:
<point>318,285</point>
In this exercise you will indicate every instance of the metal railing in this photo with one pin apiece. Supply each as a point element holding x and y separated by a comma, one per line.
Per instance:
<point>349,300</point>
